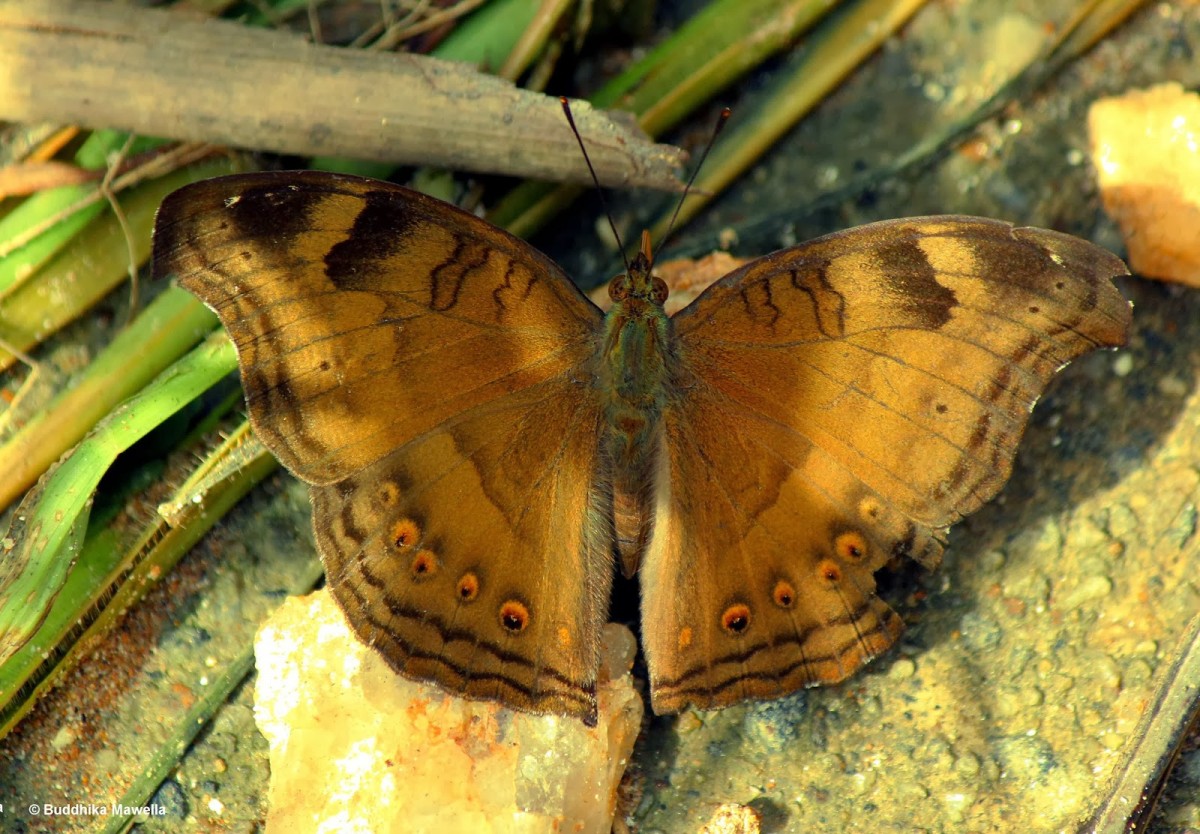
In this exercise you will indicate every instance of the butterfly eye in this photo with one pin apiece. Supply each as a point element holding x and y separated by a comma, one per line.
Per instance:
<point>618,288</point>
<point>659,291</point>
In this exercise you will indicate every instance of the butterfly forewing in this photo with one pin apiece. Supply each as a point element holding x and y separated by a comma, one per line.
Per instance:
<point>362,310</point>
<point>430,375</point>
<point>836,404</point>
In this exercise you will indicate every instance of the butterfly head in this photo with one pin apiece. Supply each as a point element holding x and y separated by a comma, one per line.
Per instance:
<point>639,283</point>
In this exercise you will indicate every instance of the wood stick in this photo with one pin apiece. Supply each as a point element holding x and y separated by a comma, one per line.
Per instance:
<point>163,73</point>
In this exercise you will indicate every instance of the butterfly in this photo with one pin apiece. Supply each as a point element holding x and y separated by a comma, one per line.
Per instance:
<point>483,444</point>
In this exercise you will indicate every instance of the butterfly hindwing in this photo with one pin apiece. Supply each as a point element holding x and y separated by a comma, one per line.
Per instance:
<point>759,578</point>
<point>429,375</point>
<point>470,556</point>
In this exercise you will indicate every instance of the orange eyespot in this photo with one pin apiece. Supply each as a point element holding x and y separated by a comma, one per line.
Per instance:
<point>736,619</point>
<point>850,546</point>
<point>405,533</point>
<point>784,594</point>
<point>514,616</point>
<point>424,565</point>
<point>829,573</point>
<point>618,288</point>
<point>468,587</point>
<point>659,291</point>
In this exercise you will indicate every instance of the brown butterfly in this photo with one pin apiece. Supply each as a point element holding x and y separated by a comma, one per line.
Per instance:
<point>481,439</point>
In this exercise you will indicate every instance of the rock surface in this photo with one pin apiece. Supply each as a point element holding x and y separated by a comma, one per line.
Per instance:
<point>1144,144</point>
<point>357,748</point>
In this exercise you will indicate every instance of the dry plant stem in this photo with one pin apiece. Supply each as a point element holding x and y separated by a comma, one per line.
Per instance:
<point>158,165</point>
<point>534,40</point>
<point>370,37</point>
<point>25,178</point>
<point>111,196</point>
<point>220,82</point>
<point>314,23</point>
<point>28,142</point>
<point>13,414</point>
<point>1155,743</point>
<point>400,32</point>
<point>539,76</point>
<point>55,143</point>
<point>21,357</point>
<point>856,35</point>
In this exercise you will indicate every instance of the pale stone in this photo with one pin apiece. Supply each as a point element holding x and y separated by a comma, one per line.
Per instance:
<point>732,818</point>
<point>1146,149</point>
<point>356,748</point>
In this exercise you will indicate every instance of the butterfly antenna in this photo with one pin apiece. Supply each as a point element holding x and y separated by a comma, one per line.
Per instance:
<point>712,140</point>
<point>566,106</point>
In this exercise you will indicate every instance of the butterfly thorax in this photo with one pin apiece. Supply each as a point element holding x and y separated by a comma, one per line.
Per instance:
<point>633,363</point>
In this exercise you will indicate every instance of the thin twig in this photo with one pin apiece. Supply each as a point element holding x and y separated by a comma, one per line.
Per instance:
<point>106,189</point>
<point>21,355</point>
<point>314,22</point>
<point>398,33</point>
<point>157,165</point>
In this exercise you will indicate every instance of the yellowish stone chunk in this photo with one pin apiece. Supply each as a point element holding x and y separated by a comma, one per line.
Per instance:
<point>356,748</point>
<point>1146,148</point>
